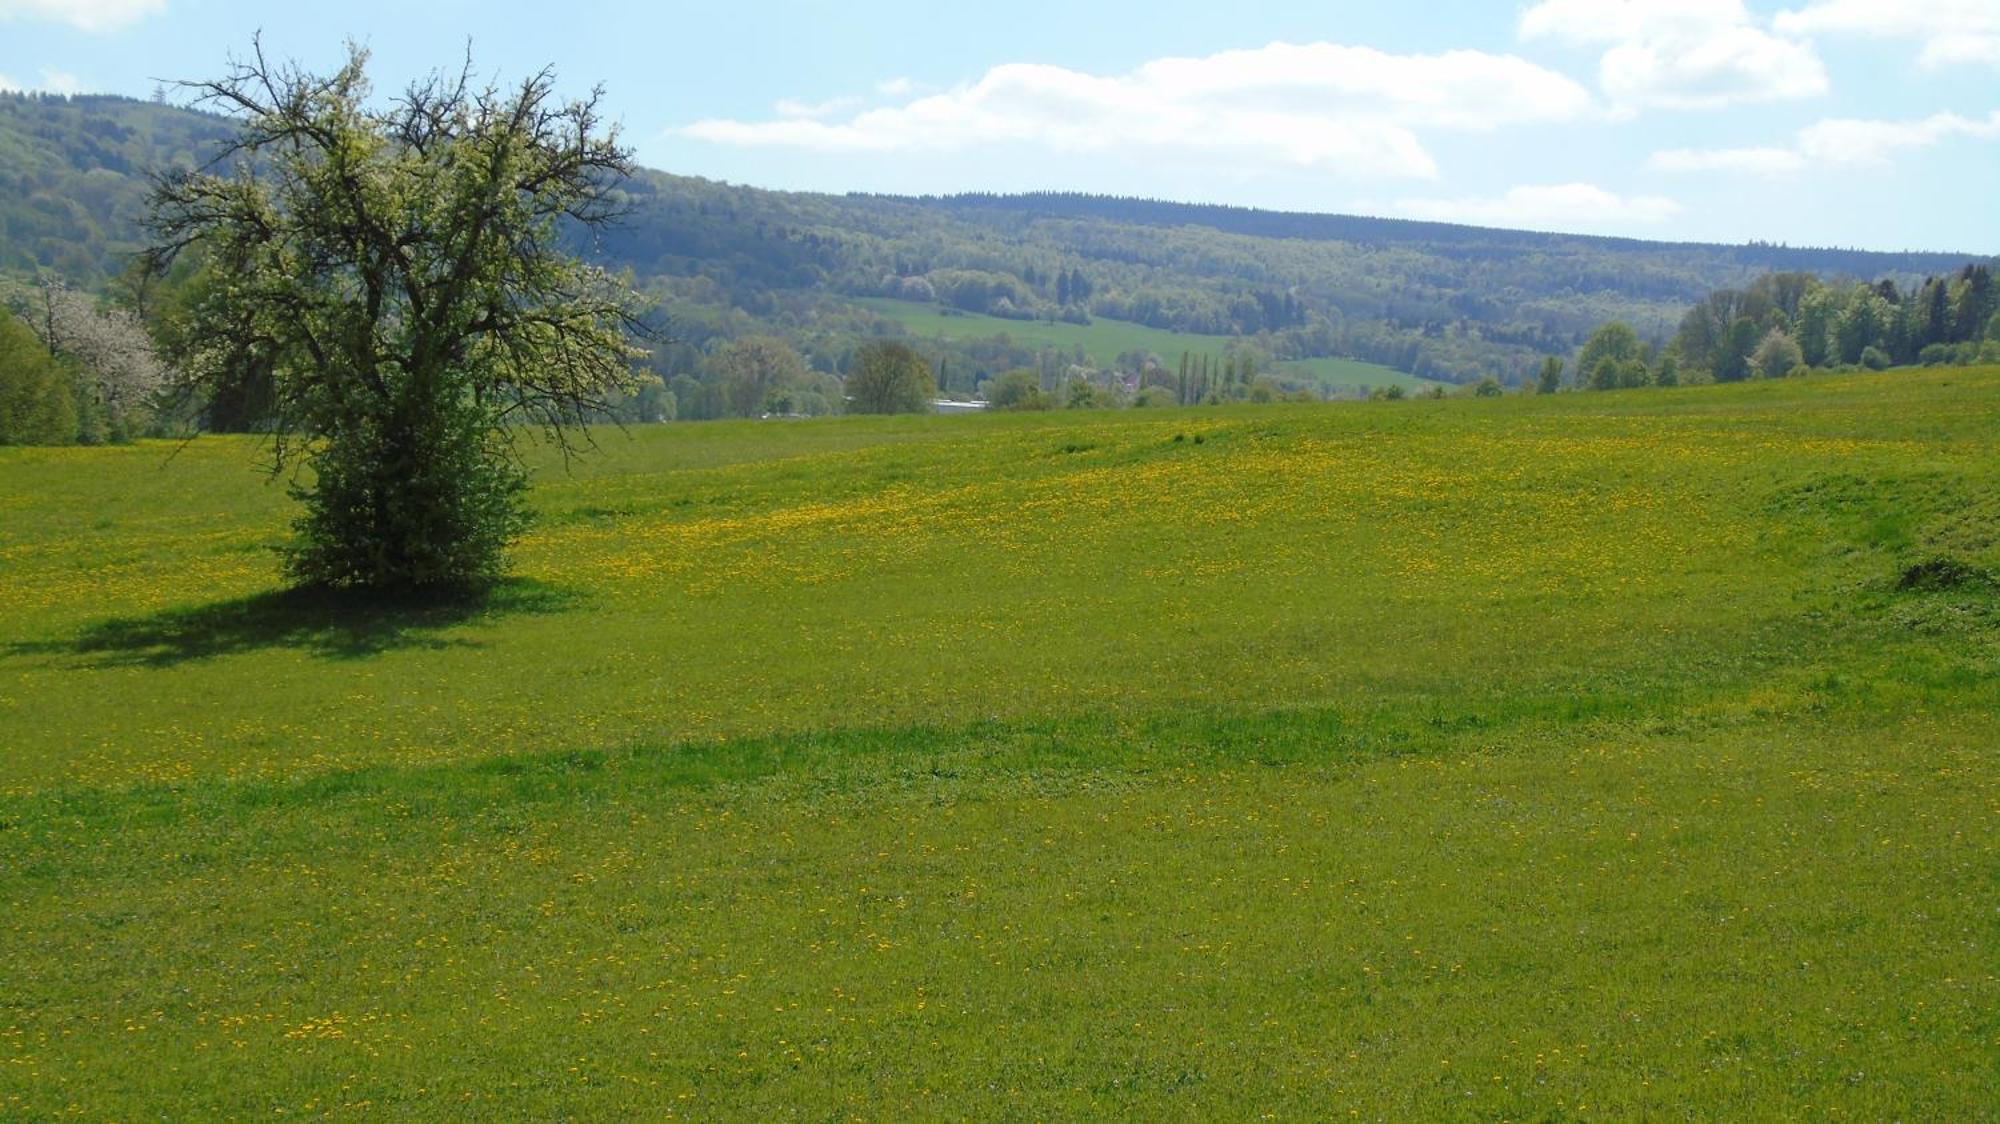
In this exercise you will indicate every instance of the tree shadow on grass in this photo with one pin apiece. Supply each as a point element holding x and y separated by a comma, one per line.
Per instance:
<point>331,624</point>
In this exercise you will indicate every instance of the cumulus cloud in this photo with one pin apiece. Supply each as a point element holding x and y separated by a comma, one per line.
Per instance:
<point>61,82</point>
<point>1322,107</point>
<point>84,15</point>
<point>1847,141</point>
<point>1569,206</point>
<point>791,107</point>
<point>53,82</point>
<point>1681,54</point>
<point>1950,32</point>
<point>1835,143</point>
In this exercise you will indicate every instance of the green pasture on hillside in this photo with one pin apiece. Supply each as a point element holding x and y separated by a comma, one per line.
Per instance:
<point>1602,755</point>
<point>1105,340</point>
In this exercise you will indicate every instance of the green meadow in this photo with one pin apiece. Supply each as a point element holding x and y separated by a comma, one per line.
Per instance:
<point>1613,755</point>
<point>1105,340</point>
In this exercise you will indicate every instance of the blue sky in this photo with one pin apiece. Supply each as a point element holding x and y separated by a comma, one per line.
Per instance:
<point>1870,123</point>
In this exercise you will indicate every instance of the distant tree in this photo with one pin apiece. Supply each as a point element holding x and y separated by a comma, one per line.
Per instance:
<point>1817,313</point>
<point>1016,390</point>
<point>1875,359</point>
<point>753,369</point>
<point>889,378</point>
<point>1732,358</point>
<point>1667,372</point>
<point>37,403</point>
<point>1608,346</point>
<point>1135,360</point>
<point>1776,355</point>
<point>657,403</point>
<point>1619,374</point>
<point>1933,313</point>
<point>1488,387</point>
<point>1973,302</point>
<point>1859,325</point>
<point>398,269</point>
<point>108,348</point>
<point>1550,379</point>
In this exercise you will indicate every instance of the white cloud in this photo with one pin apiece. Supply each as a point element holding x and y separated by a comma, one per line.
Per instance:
<point>1951,31</point>
<point>1569,206</point>
<point>1834,143</point>
<point>1681,54</point>
<point>895,87</point>
<point>1956,50</point>
<point>1847,141</point>
<point>1322,107</point>
<point>53,82</point>
<point>61,82</point>
<point>791,107</point>
<point>85,15</point>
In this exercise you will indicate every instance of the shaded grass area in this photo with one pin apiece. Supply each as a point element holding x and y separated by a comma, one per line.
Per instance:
<point>329,623</point>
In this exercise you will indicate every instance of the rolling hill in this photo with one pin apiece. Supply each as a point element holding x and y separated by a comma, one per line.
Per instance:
<point>1428,299</point>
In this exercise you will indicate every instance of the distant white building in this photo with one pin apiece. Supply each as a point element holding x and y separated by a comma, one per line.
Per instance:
<point>945,406</point>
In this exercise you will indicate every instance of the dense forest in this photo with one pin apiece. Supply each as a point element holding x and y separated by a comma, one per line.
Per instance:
<point>1785,324</point>
<point>740,276</point>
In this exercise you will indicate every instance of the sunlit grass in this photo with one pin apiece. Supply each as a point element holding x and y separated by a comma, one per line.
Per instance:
<point>1517,758</point>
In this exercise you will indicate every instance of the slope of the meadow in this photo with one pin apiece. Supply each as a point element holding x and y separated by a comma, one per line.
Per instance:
<point>1624,754</point>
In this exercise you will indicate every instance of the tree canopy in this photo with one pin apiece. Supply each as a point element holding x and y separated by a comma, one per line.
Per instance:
<point>889,378</point>
<point>397,269</point>
<point>1605,355</point>
<point>36,400</point>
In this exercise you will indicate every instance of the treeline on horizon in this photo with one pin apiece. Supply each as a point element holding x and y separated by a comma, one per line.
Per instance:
<point>1792,323</point>
<point>82,369</point>
<point>1364,229</point>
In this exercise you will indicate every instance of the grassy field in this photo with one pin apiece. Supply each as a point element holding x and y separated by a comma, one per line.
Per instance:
<point>1105,340</point>
<point>1611,755</point>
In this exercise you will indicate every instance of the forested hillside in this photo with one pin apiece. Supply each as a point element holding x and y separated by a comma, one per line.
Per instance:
<point>73,177</point>
<point>1435,300</point>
